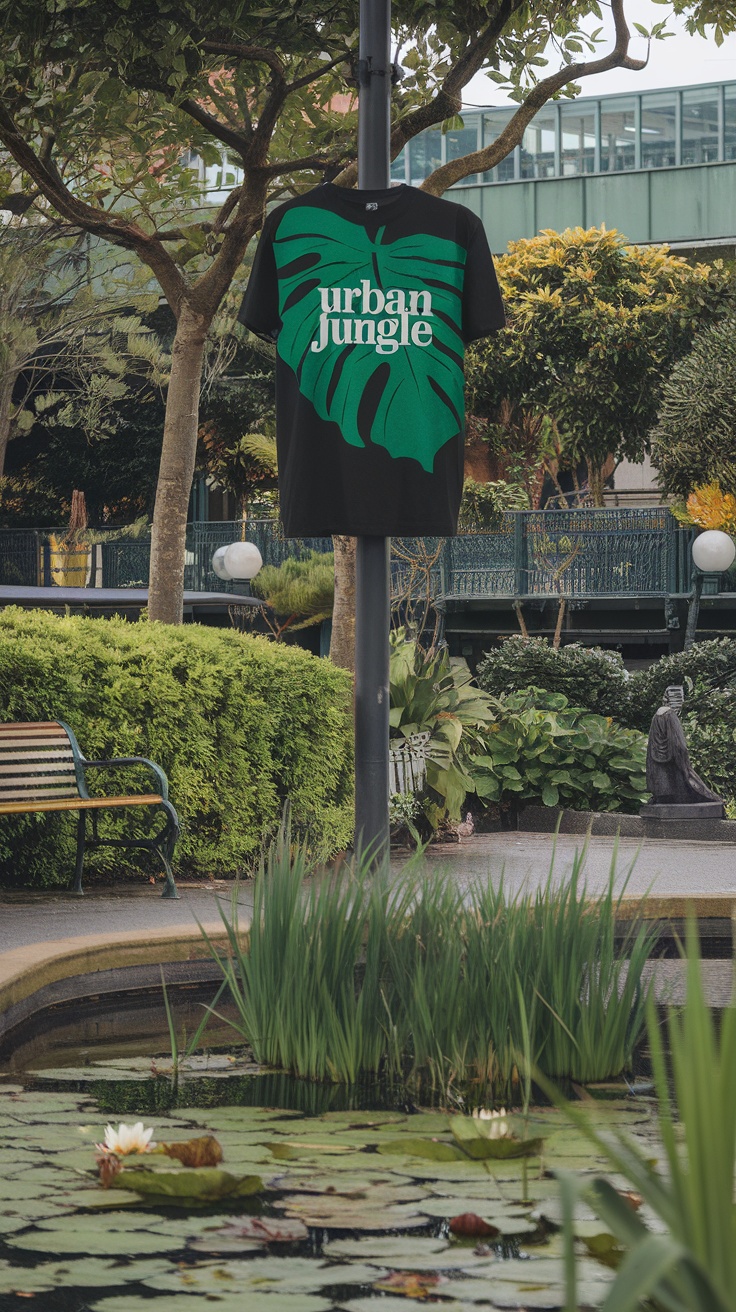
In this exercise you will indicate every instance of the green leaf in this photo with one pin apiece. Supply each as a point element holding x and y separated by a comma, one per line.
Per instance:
<point>200,1184</point>
<point>422,376</point>
<point>473,1136</point>
<point>430,1149</point>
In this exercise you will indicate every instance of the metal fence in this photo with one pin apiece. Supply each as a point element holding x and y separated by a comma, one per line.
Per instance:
<point>575,553</point>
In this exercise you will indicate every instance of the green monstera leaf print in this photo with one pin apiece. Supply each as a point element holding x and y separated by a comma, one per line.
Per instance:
<point>409,401</point>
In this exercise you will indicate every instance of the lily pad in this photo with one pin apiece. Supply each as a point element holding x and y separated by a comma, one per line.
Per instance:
<point>334,1212</point>
<point>88,1272</point>
<point>408,1253</point>
<point>224,1301</point>
<point>506,1220</point>
<point>534,1283</point>
<point>475,1137</point>
<point>430,1150</point>
<point>278,1275</point>
<point>200,1184</point>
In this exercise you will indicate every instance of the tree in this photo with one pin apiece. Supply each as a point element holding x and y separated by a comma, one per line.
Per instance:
<point>298,593</point>
<point>694,441</point>
<point>595,328</point>
<point>98,102</point>
<point>72,346</point>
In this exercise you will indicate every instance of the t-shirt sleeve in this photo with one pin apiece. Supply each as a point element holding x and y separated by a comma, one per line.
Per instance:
<point>259,310</point>
<point>483,311</point>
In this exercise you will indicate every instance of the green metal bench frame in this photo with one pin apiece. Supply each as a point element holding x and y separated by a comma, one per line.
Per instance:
<point>42,769</point>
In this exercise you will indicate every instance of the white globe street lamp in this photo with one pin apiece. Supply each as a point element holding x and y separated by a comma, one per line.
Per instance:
<point>218,564</point>
<point>242,561</point>
<point>713,552</point>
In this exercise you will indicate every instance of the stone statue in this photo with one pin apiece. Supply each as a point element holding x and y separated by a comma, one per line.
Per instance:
<point>670,777</point>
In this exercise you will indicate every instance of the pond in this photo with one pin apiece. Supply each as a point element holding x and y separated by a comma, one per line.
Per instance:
<point>325,1198</point>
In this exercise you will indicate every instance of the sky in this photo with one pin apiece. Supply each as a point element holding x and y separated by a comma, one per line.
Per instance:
<point>681,60</point>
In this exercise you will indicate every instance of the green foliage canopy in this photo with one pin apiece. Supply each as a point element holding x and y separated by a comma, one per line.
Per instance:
<point>694,441</point>
<point>595,328</point>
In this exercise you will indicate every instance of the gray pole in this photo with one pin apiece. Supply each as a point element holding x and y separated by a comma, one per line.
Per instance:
<point>372,596</point>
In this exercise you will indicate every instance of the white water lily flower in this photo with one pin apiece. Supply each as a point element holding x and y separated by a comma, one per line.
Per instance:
<point>128,1139</point>
<point>499,1125</point>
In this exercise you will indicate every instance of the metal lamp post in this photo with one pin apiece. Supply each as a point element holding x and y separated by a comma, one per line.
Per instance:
<point>372,592</point>
<point>713,553</point>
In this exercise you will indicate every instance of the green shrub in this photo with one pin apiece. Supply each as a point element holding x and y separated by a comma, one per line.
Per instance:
<point>239,724</point>
<point>710,730</point>
<point>705,661</point>
<point>542,750</point>
<point>587,676</point>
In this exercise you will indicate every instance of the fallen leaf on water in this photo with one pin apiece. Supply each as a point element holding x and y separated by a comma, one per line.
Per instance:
<point>471,1226</point>
<point>242,1234</point>
<point>204,1151</point>
<point>410,1284</point>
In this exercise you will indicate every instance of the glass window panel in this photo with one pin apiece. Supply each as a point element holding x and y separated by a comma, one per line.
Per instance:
<point>538,146</point>
<point>425,155</point>
<point>578,140</point>
<point>617,135</point>
<point>699,125</point>
<point>494,122</point>
<point>657,131</point>
<point>398,168</point>
<point>730,123</point>
<point>462,141</point>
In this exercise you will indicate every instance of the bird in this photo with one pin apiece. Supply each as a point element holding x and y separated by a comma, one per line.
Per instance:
<point>466,828</point>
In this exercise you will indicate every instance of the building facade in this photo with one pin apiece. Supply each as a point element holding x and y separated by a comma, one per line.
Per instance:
<point>660,166</point>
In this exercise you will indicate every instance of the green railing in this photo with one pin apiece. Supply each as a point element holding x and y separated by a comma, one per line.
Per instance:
<point>575,553</point>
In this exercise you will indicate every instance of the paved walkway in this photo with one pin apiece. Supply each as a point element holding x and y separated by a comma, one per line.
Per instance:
<point>684,869</point>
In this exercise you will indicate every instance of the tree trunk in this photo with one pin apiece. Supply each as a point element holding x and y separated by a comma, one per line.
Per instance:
<point>342,645</point>
<point>176,470</point>
<point>595,483</point>
<point>7,383</point>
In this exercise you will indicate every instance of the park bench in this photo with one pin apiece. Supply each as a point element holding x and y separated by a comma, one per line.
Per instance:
<point>43,769</point>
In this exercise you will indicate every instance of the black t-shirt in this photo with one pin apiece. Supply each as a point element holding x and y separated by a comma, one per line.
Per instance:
<point>371,297</point>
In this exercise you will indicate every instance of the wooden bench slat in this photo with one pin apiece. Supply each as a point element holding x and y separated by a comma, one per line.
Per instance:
<point>59,788</point>
<point>34,730</point>
<point>36,781</point>
<point>46,735</point>
<point>78,803</point>
<point>34,745</point>
<point>26,768</point>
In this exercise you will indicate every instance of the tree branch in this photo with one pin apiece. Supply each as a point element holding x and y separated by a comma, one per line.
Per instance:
<point>99,222</point>
<point>260,54</point>
<point>240,142</point>
<point>448,100</point>
<point>479,161</point>
<point>316,161</point>
<point>315,74</point>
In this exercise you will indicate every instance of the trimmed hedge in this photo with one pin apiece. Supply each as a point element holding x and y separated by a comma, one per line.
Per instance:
<point>241,725</point>
<point>586,676</point>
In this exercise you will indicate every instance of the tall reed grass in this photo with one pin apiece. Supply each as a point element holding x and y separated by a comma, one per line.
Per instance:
<point>358,973</point>
<point>688,1263</point>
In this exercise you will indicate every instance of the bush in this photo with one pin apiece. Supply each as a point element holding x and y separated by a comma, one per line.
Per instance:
<point>586,676</point>
<point>710,730</point>
<point>705,661</point>
<point>239,724</point>
<point>543,750</point>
